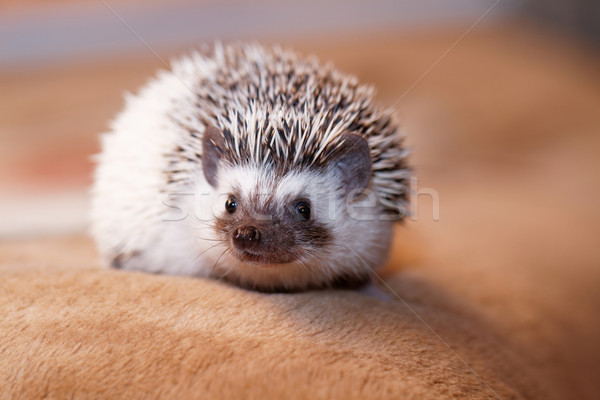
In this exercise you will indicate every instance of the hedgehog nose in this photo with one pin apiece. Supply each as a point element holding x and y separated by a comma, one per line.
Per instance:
<point>246,237</point>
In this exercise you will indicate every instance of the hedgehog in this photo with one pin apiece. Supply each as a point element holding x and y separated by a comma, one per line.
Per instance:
<point>254,165</point>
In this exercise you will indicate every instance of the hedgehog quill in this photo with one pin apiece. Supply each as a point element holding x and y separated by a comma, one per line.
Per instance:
<point>255,165</point>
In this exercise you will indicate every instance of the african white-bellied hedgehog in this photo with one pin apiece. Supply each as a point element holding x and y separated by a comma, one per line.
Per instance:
<point>254,165</point>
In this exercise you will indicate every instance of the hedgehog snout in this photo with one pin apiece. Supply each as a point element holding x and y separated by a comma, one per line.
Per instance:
<point>246,237</point>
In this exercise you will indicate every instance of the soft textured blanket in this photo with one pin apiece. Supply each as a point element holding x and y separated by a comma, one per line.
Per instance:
<point>100,333</point>
<point>72,329</point>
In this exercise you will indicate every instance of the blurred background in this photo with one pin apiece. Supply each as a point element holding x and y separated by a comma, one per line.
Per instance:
<point>463,71</point>
<point>500,100</point>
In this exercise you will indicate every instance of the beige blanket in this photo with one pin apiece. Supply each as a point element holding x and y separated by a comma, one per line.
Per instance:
<point>70,328</point>
<point>98,333</point>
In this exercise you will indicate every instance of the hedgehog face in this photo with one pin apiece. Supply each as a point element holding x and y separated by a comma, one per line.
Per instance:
<point>293,231</point>
<point>269,219</point>
<point>291,228</point>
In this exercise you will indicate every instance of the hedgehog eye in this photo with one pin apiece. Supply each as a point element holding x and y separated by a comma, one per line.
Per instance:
<point>303,210</point>
<point>231,205</point>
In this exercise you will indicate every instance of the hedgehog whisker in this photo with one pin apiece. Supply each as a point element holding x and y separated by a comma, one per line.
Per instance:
<point>205,223</point>
<point>211,247</point>
<point>211,240</point>
<point>306,265</point>
<point>218,259</point>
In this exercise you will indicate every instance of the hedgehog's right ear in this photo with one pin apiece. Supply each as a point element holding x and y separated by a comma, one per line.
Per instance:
<point>212,150</point>
<point>352,162</point>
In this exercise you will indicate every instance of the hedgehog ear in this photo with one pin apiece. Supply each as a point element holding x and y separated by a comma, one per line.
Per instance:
<point>352,161</point>
<point>212,150</point>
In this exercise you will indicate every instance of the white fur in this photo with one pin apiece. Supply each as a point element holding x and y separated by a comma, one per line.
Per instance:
<point>360,244</point>
<point>128,206</point>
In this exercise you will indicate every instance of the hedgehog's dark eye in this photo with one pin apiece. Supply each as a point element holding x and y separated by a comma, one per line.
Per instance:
<point>303,210</point>
<point>231,205</point>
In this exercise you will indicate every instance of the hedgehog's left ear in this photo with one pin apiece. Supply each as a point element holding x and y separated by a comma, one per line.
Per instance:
<point>352,162</point>
<point>212,150</point>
